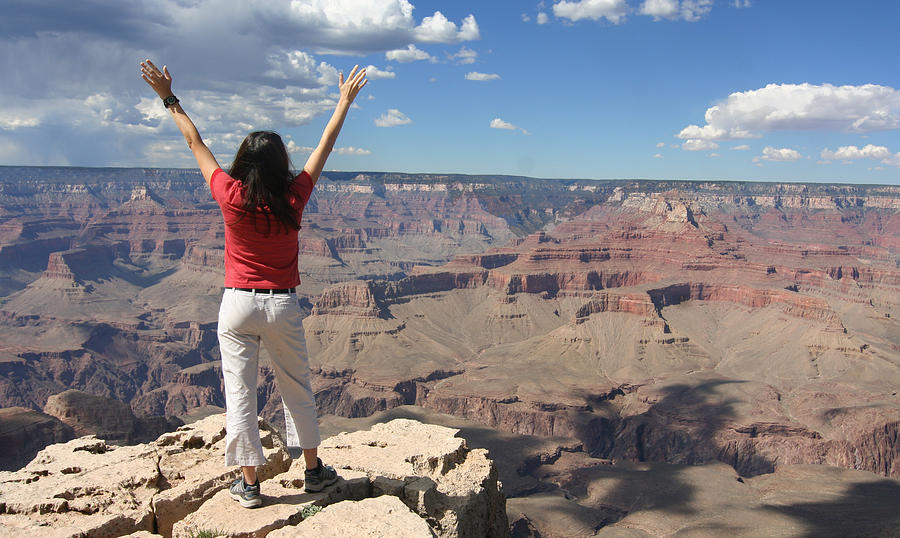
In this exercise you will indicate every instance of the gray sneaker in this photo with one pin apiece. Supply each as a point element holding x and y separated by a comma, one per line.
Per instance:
<point>319,478</point>
<point>248,495</point>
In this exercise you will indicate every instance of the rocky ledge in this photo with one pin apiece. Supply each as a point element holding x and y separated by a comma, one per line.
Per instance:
<point>401,478</point>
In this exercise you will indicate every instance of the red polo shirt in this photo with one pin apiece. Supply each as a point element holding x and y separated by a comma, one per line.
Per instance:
<point>253,257</point>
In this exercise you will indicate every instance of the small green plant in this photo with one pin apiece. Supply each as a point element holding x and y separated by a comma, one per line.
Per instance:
<point>205,533</point>
<point>310,510</point>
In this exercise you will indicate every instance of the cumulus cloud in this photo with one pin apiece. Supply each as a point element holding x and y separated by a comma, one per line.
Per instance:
<point>11,121</point>
<point>543,18</point>
<point>474,75</point>
<point>790,107</point>
<point>350,150</point>
<point>374,73</point>
<point>869,151</point>
<point>612,10</point>
<point>778,155</point>
<point>439,29</point>
<point>498,123</point>
<point>660,144</point>
<point>392,118</point>
<point>689,10</point>
<point>740,4</point>
<point>699,145</point>
<point>742,147</point>
<point>658,156</point>
<point>410,54</point>
<point>465,56</point>
<point>852,152</point>
<point>229,86</point>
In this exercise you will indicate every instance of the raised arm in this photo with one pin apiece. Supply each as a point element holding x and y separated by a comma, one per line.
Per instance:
<point>161,82</point>
<point>349,90</point>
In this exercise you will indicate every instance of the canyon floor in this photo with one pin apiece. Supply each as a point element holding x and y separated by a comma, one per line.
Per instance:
<point>694,333</point>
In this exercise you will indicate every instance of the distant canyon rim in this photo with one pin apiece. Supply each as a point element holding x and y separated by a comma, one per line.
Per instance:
<point>754,324</point>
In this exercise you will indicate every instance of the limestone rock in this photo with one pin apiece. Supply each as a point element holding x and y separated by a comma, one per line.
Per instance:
<point>284,503</point>
<point>24,432</point>
<point>446,483</point>
<point>88,487</point>
<point>106,418</point>
<point>379,517</point>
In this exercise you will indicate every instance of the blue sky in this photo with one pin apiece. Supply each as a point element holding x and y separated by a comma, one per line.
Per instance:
<point>665,89</point>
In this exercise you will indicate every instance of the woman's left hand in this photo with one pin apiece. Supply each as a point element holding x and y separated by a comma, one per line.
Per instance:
<point>160,81</point>
<point>355,82</point>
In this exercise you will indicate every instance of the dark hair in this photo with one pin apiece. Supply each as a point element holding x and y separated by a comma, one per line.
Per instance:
<point>263,166</point>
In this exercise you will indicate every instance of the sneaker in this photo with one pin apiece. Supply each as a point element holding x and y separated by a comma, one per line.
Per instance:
<point>319,478</point>
<point>247,495</point>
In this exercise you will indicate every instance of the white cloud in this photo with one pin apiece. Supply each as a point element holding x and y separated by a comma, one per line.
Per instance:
<point>658,156</point>
<point>410,54</point>
<point>374,73</point>
<point>525,17</point>
<point>613,10</point>
<point>10,122</point>
<point>689,10</point>
<point>465,56</point>
<point>439,29</point>
<point>852,152</point>
<point>660,144</point>
<point>229,86</point>
<point>474,75</point>
<point>392,118</point>
<point>740,4</point>
<point>714,155</point>
<point>779,155</point>
<point>707,132</point>
<point>696,144</point>
<point>543,18</point>
<point>498,123</point>
<point>657,9</point>
<point>742,147</point>
<point>350,150</point>
<point>788,107</point>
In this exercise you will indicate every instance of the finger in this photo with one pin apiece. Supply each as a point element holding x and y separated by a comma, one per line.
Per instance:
<point>152,65</point>
<point>166,71</point>
<point>352,71</point>
<point>341,79</point>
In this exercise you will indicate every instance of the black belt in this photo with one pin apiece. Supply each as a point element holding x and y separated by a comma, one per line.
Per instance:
<point>267,291</point>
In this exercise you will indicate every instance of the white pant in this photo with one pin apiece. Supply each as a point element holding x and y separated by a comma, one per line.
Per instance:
<point>245,320</point>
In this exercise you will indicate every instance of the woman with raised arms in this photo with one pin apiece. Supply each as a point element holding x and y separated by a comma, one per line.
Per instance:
<point>262,204</point>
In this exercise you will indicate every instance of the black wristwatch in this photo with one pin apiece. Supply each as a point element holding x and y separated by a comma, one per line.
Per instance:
<point>169,101</point>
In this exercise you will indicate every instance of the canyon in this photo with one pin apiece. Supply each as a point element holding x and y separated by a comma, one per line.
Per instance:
<point>636,322</point>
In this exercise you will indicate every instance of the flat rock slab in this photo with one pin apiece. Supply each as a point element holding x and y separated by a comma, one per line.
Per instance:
<point>398,449</point>
<point>88,488</point>
<point>379,517</point>
<point>284,503</point>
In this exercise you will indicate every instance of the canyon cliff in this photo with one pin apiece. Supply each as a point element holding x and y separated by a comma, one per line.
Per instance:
<point>678,323</point>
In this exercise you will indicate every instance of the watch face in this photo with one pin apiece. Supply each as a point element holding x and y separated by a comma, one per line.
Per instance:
<point>170,100</point>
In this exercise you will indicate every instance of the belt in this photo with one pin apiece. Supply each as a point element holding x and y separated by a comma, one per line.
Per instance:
<point>281,291</point>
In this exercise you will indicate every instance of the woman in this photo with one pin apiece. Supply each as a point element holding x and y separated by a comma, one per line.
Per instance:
<point>262,203</point>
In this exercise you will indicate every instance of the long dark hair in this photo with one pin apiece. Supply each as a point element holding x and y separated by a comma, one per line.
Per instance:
<point>263,166</point>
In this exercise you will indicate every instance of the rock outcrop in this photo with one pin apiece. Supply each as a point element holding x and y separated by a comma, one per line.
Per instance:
<point>25,432</point>
<point>432,484</point>
<point>108,419</point>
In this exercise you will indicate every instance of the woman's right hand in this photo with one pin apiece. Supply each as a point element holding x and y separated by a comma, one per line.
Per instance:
<point>160,81</point>
<point>355,82</point>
